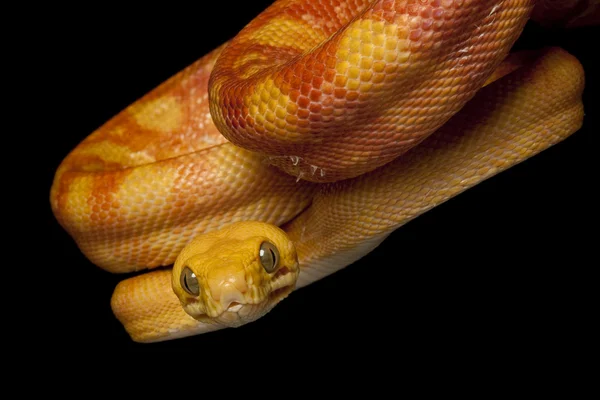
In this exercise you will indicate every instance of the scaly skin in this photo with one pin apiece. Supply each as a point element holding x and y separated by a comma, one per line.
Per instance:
<point>309,96</point>
<point>141,187</point>
<point>509,121</point>
<point>227,267</point>
<point>132,201</point>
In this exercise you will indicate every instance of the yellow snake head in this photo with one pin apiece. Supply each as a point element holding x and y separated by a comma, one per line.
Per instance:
<point>236,274</point>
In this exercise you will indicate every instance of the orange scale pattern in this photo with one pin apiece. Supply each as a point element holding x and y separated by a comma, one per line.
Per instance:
<point>314,106</point>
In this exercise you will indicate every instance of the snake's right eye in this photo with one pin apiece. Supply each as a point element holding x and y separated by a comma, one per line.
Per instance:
<point>269,256</point>
<point>189,282</point>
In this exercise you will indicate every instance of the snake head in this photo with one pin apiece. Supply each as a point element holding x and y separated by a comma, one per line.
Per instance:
<point>236,274</point>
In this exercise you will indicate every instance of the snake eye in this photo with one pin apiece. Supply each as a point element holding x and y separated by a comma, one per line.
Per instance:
<point>189,282</point>
<point>269,256</point>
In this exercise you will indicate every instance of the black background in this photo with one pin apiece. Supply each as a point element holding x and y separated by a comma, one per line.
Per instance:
<point>505,265</point>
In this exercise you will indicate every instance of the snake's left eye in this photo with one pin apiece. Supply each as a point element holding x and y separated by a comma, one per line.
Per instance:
<point>189,282</point>
<point>269,256</point>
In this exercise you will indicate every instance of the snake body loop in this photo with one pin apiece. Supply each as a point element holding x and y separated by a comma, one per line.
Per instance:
<point>305,82</point>
<point>299,146</point>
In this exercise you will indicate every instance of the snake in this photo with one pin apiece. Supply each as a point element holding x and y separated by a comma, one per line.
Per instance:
<point>300,145</point>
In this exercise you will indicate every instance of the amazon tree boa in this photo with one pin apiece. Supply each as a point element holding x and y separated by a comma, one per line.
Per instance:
<point>337,121</point>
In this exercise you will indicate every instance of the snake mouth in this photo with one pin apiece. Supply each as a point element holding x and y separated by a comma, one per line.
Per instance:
<point>282,278</point>
<point>235,307</point>
<point>275,296</point>
<point>238,313</point>
<point>282,283</point>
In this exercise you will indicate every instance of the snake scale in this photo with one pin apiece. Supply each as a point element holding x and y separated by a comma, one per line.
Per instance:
<point>336,121</point>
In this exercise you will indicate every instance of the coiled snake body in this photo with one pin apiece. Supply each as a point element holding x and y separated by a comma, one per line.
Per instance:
<point>299,146</point>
